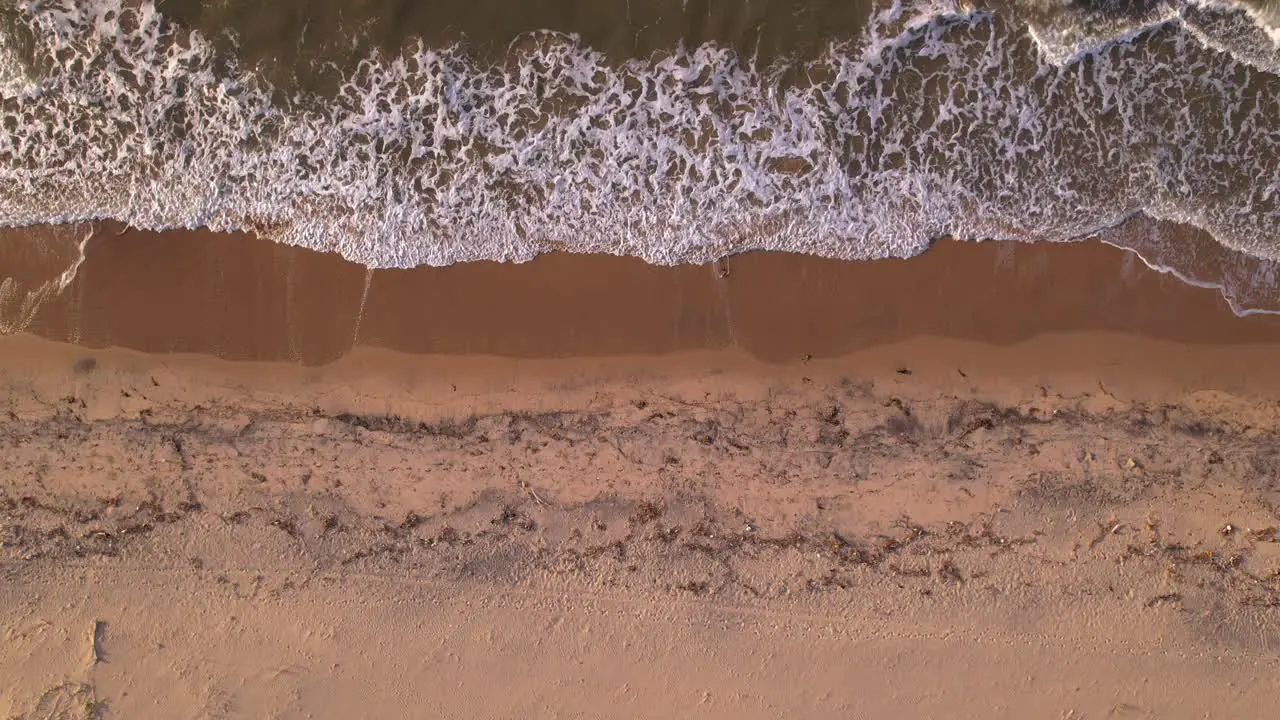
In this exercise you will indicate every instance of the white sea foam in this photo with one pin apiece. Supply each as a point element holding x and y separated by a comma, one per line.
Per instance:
<point>15,77</point>
<point>941,119</point>
<point>1247,284</point>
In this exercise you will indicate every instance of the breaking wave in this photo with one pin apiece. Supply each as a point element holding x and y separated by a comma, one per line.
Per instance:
<point>1027,119</point>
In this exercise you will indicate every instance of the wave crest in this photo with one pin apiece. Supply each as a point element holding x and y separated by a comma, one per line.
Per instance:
<point>938,120</point>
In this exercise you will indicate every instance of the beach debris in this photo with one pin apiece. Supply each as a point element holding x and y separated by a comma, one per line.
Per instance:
<point>1228,530</point>
<point>1267,534</point>
<point>95,641</point>
<point>1171,597</point>
<point>524,485</point>
<point>1130,463</point>
<point>1106,530</point>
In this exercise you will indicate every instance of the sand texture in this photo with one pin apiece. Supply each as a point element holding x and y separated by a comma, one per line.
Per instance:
<point>901,531</point>
<point>240,480</point>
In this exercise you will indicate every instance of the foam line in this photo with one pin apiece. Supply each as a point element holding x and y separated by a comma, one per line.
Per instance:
<point>940,119</point>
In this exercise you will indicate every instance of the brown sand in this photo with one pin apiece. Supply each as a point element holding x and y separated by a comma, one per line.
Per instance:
<point>993,481</point>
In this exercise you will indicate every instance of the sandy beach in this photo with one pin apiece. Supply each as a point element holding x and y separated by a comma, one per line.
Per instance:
<point>664,359</point>
<point>243,480</point>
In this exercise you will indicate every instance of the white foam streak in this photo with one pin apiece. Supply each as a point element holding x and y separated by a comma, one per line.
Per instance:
<point>939,120</point>
<point>1221,288</point>
<point>1247,284</point>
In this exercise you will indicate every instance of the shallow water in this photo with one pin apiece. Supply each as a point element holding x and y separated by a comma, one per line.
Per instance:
<point>401,133</point>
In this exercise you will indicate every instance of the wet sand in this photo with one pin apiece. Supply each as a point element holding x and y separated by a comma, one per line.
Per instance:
<point>240,298</point>
<point>995,479</point>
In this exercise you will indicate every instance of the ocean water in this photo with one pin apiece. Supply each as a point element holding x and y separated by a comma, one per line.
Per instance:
<point>399,132</point>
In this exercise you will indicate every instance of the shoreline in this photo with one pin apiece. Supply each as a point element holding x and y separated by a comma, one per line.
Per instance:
<point>240,297</point>
<point>1044,477</point>
<point>246,479</point>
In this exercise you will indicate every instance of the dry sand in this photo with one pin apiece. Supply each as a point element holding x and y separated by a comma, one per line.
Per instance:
<point>990,482</point>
